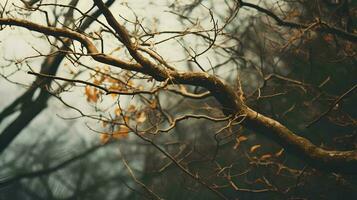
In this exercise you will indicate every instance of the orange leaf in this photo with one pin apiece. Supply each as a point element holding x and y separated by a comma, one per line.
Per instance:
<point>87,90</point>
<point>91,93</point>
<point>104,124</point>
<point>130,83</point>
<point>104,138</point>
<point>266,156</point>
<point>259,180</point>
<point>239,140</point>
<point>113,95</point>
<point>126,119</point>
<point>141,117</point>
<point>236,145</point>
<point>106,69</point>
<point>242,138</point>
<point>153,104</point>
<point>183,89</point>
<point>116,87</point>
<point>117,111</point>
<point>111,80</point>
<point>279,153</point>
<point>328,38</point>
<point>122,132</point>
<point>254,148</point>
<point>131,109</point>
<point>99,80</point>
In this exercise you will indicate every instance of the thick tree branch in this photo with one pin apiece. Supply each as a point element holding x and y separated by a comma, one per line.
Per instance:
<point>328,160</point>
<point>63,32</point>
<point>231,101</point>
<point>218,88</point>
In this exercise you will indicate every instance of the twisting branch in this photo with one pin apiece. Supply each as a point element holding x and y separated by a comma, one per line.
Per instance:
<point>107,91</point>
<point>230,100</point>
<point>322,26</point>
<point>217,87</point>
<point>173,122</point>
<point>63,32</point>
<point>232,103</point>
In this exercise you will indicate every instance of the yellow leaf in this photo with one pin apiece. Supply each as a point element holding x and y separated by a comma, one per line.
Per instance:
<point>254,148</point>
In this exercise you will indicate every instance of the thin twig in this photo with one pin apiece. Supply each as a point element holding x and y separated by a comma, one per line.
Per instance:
<point>332,106</point>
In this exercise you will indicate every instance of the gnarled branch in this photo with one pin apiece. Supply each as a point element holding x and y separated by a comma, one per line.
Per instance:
<point>230,100</point>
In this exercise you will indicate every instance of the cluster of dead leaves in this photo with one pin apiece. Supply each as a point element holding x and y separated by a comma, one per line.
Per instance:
<point>100,77</point>
<point>92,94</point>
<point>266,156</point>
<point>129,115</point>
<point>256,147</point>
<point>121,132</point>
